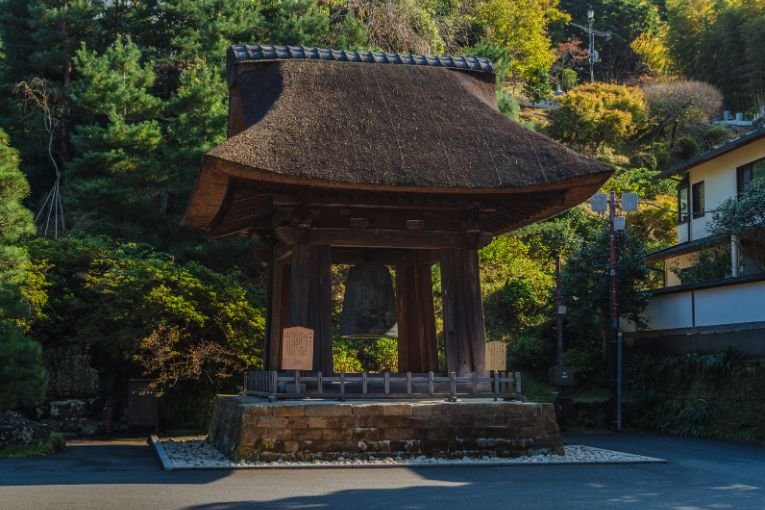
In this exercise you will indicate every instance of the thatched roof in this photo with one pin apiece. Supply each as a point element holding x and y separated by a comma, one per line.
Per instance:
<point>416,126</point>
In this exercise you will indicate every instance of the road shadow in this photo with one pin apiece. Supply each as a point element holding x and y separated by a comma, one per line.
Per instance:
<point>81,464</point>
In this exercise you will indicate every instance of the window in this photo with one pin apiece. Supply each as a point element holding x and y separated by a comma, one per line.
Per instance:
<point>697,199</point>
<point>682,202</point>
<point>750,173</point>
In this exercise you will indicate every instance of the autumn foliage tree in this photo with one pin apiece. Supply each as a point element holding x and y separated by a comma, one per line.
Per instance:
<point>598,114</point>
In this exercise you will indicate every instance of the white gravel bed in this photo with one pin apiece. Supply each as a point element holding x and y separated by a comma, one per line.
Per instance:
<point>195,453</point>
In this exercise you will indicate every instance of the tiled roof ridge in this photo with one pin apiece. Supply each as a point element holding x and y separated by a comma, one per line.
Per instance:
<point>254,52</point>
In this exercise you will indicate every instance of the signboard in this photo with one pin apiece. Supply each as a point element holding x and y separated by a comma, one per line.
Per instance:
<point>496,356</point>
<point>562,376</point>
<point>297,348</point>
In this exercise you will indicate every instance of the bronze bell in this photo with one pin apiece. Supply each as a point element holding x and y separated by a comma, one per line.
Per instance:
<point>369,304</point>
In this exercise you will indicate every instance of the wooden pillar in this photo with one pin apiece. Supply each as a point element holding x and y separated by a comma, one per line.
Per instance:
<point>417,349</point>
<point>279,304</point>
<point>310,299</point>
<point>464,333</point>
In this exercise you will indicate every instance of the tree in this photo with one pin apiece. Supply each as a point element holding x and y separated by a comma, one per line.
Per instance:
<point>537,86</point>
<point>598,114</point>
<point>653,50</point>
<point>744,217</point>
<point>688,22</point>
<point>626,20</point>
<point>586,287</point>
<point>142,313</point>
<point>21,374</point>
<point>521,27</point>
<point>117,173</point>
<point>674,104</point>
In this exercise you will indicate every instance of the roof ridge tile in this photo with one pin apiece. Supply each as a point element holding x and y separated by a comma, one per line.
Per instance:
<point>240,53</point>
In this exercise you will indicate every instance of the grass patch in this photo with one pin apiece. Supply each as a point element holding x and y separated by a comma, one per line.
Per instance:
<point>54,443</point>
<point>536,388</point>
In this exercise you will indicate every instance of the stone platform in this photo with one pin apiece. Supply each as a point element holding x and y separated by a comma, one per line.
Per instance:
<point>249,428</point>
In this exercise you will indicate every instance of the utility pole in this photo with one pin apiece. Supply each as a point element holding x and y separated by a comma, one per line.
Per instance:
<point>591,48</point>
<point>559,310</point>
<point>600,203</point>
<point>615,355</point>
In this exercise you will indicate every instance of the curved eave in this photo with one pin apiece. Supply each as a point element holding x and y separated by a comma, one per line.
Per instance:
<point>213,193</point>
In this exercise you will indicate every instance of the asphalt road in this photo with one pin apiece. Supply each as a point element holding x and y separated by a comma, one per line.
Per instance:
<point>699,475</point>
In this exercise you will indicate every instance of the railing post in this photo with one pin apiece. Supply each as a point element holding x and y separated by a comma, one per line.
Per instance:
<point>297,382</point>
<point>319,382</point>
<point>431,383</point>
<point>495,384</point>
<point>409,383</point>
<point>453,386</point>
<point>342,385</point>
<point>475,381</point>
<point>386,377</point>
<point>274,383</point>
<point>364,382</point>
<point>518,384</point>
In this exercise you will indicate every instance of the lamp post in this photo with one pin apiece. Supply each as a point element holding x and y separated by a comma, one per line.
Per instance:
<point>601,203</point>
<point>591,41</point>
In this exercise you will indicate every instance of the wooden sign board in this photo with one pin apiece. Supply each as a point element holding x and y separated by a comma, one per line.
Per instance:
<point>297,348</point>
<point>496,356</point>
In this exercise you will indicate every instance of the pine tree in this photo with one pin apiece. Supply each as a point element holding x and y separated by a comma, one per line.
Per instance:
<point>21,374</point>
<point>117,173</point>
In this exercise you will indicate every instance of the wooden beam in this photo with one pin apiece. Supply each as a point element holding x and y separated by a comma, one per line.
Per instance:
<point>383,238</point>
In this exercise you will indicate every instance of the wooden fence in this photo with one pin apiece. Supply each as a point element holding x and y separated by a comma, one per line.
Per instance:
<point>294,385</point>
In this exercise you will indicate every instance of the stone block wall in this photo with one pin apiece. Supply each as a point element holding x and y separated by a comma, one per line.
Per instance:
<point>253,429</point>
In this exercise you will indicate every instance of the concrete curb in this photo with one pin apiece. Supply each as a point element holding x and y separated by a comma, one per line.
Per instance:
<point>167,465</point>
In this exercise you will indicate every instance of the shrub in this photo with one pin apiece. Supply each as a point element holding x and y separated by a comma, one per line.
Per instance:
<point>716,135</point>
<point>595,114</point>
<point>585,363</point>
<point>507,104</point>
<point>529,352</point>
<point>537,87</point>
<point>345,358</point>
<point>687,147</point>
<point>22,381</point>
<point>568,79</point>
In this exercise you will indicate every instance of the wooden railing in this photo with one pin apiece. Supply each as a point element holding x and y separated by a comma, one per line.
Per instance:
<point>295,384</point>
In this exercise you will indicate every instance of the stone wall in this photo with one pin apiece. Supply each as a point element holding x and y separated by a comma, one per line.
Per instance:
<point>253,429</point>
<point>69,373</point>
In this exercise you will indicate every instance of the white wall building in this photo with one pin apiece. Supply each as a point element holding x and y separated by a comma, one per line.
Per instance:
<point>726,307</point>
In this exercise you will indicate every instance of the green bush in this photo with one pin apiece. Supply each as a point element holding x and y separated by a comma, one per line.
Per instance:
<point>593,115</point>
<point>22,379</point>
<point>687,147</point>
<point>716,135</point>
<point>345,358</point>
<point>529,353</point>
<point>507,104</point>
<point>585,363</point>
<point>568,79</point>
<point>662,154</point>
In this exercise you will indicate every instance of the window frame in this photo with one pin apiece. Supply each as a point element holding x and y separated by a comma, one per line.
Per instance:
<point>697,188</point>
<point>740,171</point>
<point>683,188</point>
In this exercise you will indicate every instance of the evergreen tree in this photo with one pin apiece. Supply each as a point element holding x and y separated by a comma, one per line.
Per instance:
<point>21,374</point>
<point>117,173</point>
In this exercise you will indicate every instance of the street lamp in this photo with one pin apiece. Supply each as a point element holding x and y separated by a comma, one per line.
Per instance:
<point>592,54</point>
<point>600,203</point>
